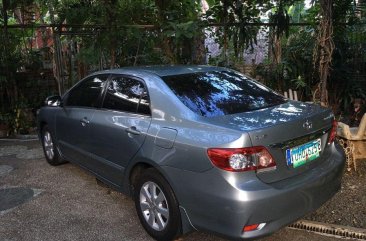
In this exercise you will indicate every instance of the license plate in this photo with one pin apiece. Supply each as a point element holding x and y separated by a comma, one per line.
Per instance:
<point>299,155</point>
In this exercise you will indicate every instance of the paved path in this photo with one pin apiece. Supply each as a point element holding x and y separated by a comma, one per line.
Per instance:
<point>41,202</point>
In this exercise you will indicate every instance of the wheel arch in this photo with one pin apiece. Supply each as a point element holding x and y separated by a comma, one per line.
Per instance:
<point>41,125</point>
<point>133,174</point>
<point>136,168</point>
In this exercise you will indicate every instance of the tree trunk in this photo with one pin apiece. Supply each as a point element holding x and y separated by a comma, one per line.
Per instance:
<point>166,43</point>
<point>11,88</point>
<point>112,28</point>
<point>325,47</point>
<point>360,9</point>
<point>57,53</point>
<point>81,66</point>
<point>277,59</point>
<point>199,49</point>
<point>275,56</point>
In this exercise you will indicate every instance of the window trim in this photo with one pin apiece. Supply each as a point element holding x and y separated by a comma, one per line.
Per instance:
<point>140,80</point>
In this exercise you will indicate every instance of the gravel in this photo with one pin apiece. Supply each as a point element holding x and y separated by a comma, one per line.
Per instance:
<point>68,205</point>
<point>348,206</point>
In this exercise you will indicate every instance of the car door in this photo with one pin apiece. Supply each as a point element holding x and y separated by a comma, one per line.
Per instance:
<point>73,121</point>
<point>119,128</point>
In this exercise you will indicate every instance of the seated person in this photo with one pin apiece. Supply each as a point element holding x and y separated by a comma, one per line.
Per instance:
<point>357,112</point>
<point>354,117</point>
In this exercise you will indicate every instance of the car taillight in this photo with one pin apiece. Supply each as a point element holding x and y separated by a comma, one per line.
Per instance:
<point>333,132</point>
<point>255,158</point>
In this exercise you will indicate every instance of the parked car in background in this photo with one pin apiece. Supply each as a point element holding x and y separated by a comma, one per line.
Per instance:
<point>197,148</point>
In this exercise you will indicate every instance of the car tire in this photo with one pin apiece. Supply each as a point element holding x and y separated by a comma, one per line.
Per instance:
<point>49,148</point>
<point>157,206</point>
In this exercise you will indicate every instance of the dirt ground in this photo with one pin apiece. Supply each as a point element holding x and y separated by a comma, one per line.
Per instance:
<point>348,206</point>
<point>66,203</point>
<point>69,205</point>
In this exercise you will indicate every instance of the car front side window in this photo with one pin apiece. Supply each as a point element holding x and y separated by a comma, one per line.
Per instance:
<point>87,93</point>
<point>127,95</point>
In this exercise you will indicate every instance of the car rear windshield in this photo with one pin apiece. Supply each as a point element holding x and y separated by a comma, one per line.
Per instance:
<point>217,93</point>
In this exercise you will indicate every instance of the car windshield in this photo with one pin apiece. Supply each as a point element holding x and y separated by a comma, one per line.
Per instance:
<point>217,93</point>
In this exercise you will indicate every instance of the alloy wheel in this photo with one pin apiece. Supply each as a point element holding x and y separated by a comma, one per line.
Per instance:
<point>154,206</point>
<point>48,145</point>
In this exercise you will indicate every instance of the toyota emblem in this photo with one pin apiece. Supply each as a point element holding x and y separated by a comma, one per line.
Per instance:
<point>307,125</point>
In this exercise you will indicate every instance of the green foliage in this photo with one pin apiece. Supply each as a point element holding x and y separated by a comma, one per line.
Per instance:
<point>296,67</point>
<point>178,32</point>
<point>235,16</point>
<point>297,12</point>
<point>297,52</point>
<point>115,42</point>
<point>19,119</point>
<point>349,59</point>
<point>281,20</point>
<point>179,23</point>
<point>348,64</point>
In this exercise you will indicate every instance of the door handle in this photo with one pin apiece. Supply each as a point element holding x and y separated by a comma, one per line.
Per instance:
<point>84,121</point>
<point>132,130</point>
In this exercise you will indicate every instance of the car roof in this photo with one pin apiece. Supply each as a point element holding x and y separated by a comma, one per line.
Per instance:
<point>165,70</point>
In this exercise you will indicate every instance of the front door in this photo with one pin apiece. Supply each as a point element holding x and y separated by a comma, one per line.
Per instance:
<point>73,121</point>
<point>73,133</point>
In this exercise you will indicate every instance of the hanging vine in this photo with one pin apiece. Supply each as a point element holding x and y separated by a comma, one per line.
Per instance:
<point>322,57</point>
<point>281,24</point>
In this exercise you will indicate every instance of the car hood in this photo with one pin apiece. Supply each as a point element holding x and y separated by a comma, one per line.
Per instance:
<point>276,115</point>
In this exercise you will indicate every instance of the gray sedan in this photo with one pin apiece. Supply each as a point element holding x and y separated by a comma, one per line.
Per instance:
<point>197,148</point>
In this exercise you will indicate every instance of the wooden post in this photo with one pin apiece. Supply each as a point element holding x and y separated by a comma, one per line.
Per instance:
<point>57,53</point>
<point>291,97</point>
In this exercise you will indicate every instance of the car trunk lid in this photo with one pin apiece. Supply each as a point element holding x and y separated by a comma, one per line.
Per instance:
<point>281,129</point>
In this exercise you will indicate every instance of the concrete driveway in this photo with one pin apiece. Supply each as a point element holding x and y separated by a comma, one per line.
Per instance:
<point>41,202</point>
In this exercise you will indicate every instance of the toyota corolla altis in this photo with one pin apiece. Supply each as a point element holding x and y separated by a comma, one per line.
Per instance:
<point>197,147</point>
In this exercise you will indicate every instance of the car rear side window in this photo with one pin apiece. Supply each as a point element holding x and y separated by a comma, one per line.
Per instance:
<point>87,93</point>
<point>217,93</point>
<point>127,95</point>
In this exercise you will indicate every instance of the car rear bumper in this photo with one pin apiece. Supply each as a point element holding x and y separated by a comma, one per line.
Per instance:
<point>224,202</point>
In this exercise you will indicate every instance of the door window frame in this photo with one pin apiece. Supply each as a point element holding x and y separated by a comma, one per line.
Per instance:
<point>105,90</point>
<point>100,97</point>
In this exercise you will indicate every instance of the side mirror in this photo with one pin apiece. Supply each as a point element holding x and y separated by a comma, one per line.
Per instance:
<point>54,100</point>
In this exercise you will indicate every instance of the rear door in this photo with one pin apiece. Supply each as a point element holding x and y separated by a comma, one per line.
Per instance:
<point>73,121</point>
<point>119,128</point>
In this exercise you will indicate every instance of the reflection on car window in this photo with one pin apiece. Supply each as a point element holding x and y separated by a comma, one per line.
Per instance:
<point>218,93</point>
<point>87,93</point>
<point>126,94</point>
